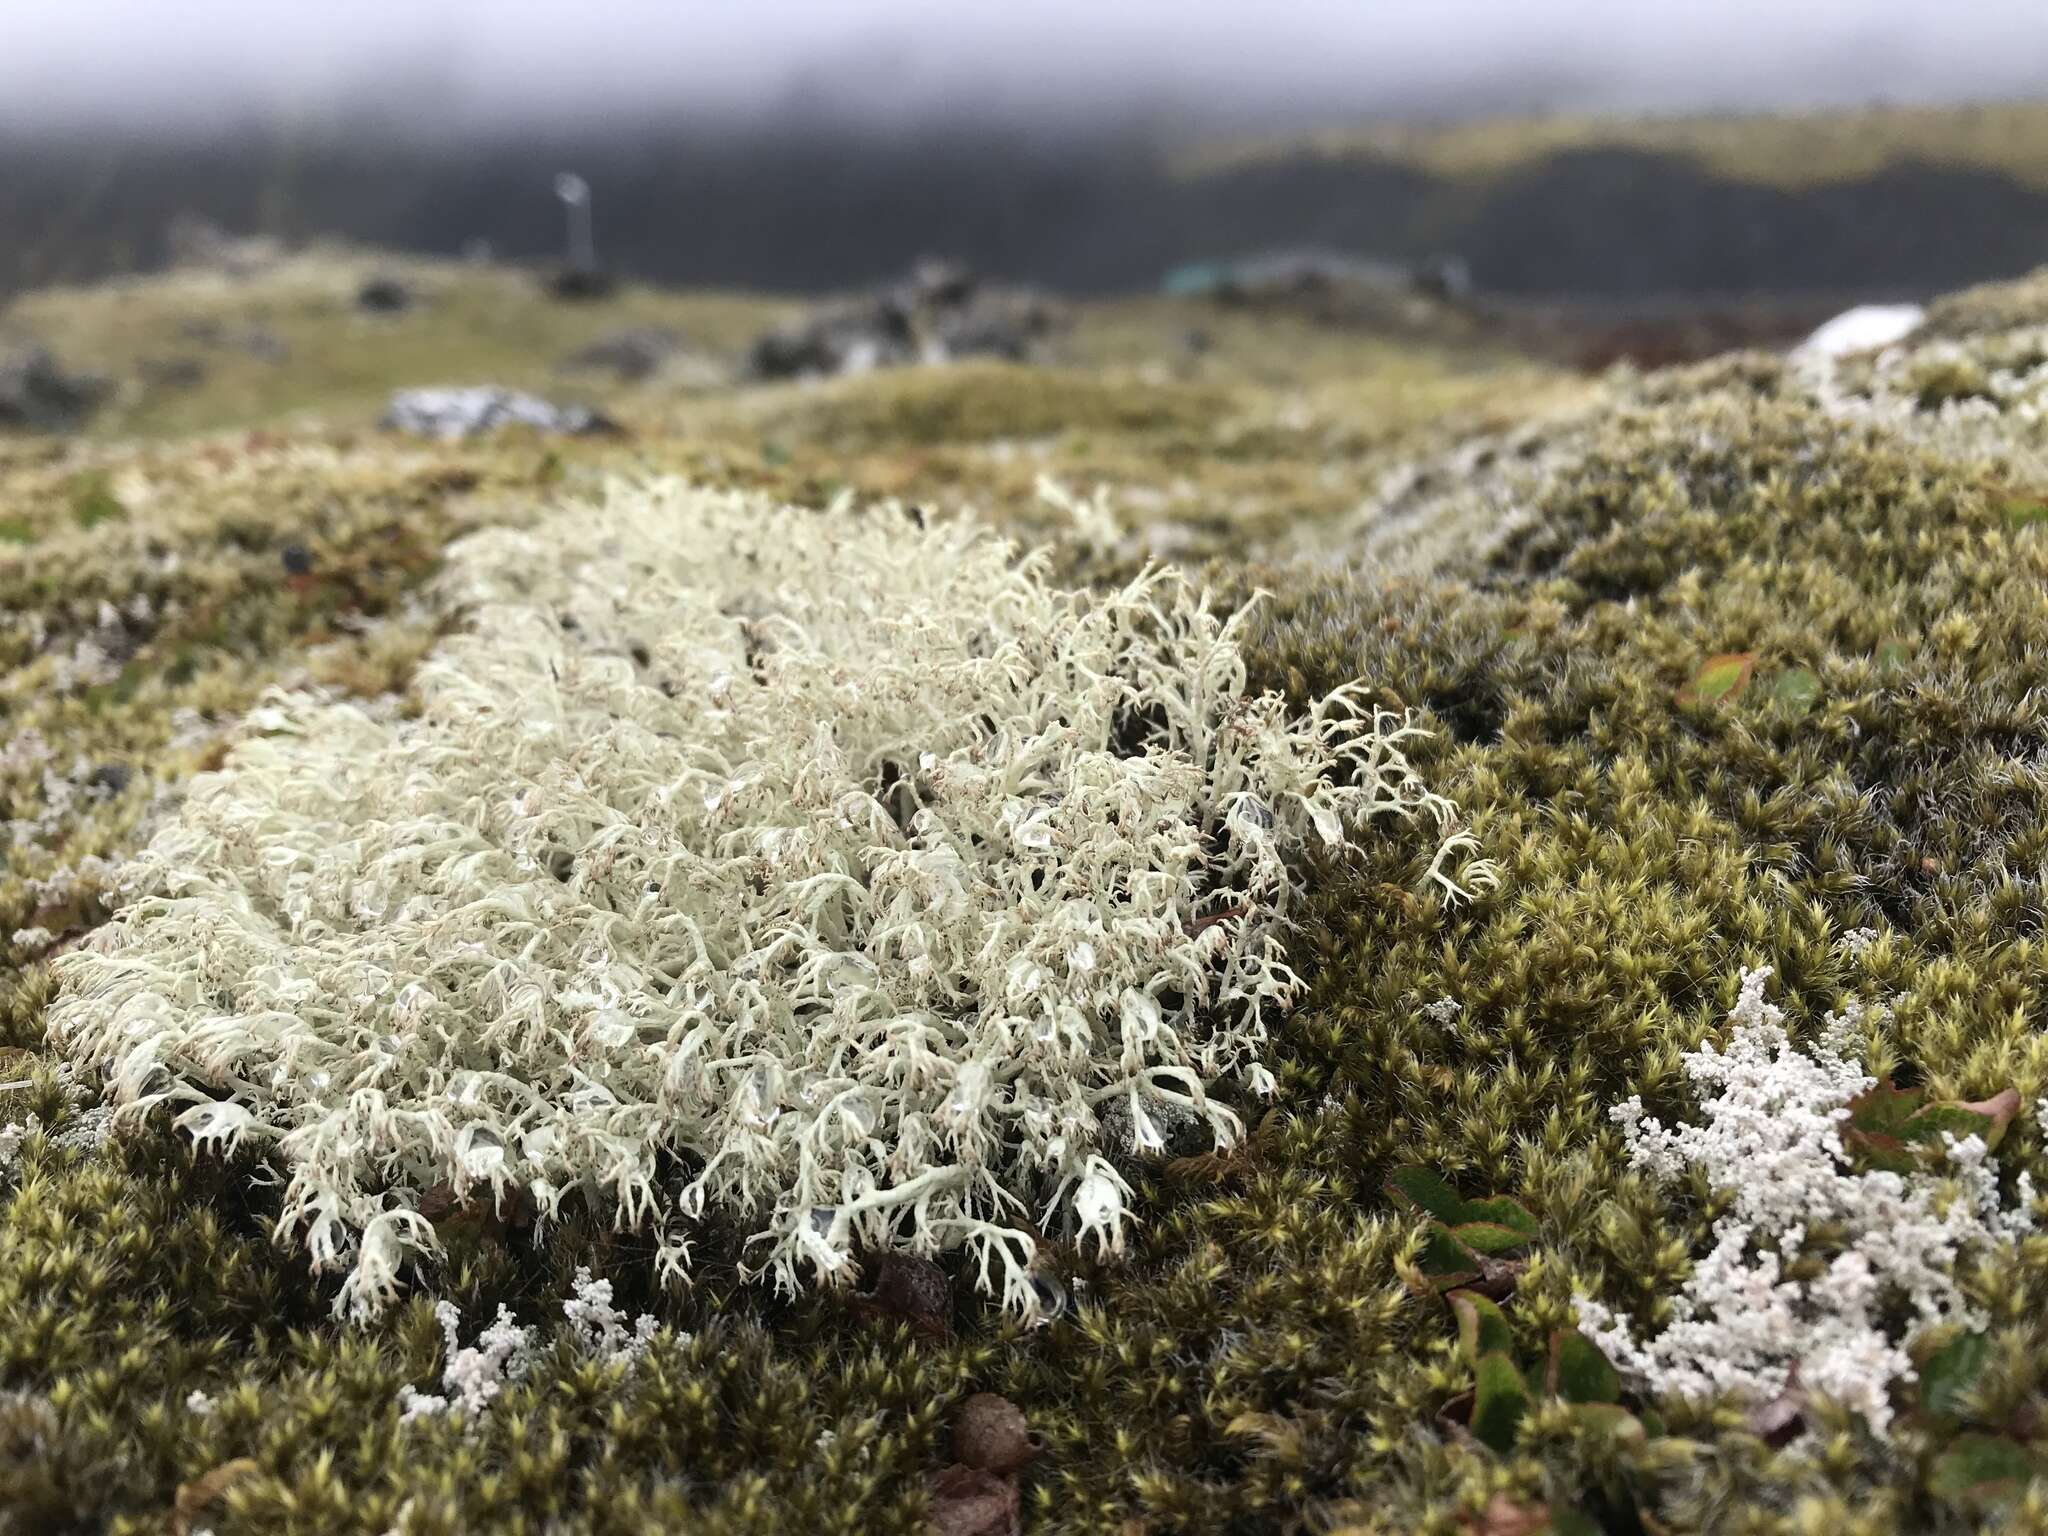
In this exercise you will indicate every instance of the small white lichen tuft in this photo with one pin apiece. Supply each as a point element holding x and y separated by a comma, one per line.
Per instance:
<point>825,874</point>
<point>1772,1140</point>
<point>472,1376</point>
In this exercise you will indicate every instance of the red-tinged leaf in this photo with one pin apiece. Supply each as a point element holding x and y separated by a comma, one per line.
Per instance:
<point>2000,1109</point>
<point>1877,1126</point>
<point>1720,679</point>
<point>1884,1110</point>
<point>1482,1326</point>
<point>1887,1122</point>
<point>1934,1122</point>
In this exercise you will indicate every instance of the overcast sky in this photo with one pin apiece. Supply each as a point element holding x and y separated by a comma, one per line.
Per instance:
<point>523,60</point>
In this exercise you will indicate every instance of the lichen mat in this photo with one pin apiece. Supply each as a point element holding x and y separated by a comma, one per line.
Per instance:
<point>818,872</point>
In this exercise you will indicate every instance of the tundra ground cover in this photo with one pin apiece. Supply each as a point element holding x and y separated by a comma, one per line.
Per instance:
<point>1750,679</point>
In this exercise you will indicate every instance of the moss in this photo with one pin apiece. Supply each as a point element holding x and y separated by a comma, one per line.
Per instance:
<point>1938,383</point>
<point>984,401</point>
<point>1269,1355</point>
<point>1990,308</point>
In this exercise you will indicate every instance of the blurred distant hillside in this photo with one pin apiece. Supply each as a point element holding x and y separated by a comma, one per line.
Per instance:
<point>1895,201</point>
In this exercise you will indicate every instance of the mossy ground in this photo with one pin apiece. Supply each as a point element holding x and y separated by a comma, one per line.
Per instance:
<point>1269,1357</point>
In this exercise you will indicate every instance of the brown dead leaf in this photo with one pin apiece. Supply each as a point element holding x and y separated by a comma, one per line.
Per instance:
<point>195,1496</point>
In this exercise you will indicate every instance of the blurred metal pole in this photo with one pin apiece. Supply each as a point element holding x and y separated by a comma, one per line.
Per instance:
<point>574,192</point>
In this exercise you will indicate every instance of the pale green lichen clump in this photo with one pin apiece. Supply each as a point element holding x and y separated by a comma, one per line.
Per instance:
<point>820,873</point>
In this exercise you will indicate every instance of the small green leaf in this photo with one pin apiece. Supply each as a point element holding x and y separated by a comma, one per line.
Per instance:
<point>1443,1261</point>
<point>1500,1398</point>
<point>2025,511</point>
<point>1797,687</point>
<point>1579,1373</point>
<point>16,530</point>
<point>1977,1470</point>
<point>1428,1192</point>
<point>1947,1378</point>
<point>1482,1327</point>
<point>1720,679</point>
<point>1893,654</point>
<point>1489,1237</point>
<point>1501,1212</point>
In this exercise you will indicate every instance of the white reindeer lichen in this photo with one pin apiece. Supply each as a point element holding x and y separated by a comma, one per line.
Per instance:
<point>822,873</point>
<point>1773,1138</point>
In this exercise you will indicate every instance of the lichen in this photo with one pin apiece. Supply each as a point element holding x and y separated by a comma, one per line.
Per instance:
<point>822,873</point>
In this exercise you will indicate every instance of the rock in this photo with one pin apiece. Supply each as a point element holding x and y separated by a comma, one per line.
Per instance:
<point>111,777</point>
<point>578,284</point>
<point>38,396</point>
<point>298,560</point>
<point>1862,329</point>
<point>451,415</point>
<point>991,1434</point>
<point>1331,287</point>
<point>968,1502</point>
<point>631,355</point>
<point>385,296</point>
<point>941,311</point>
